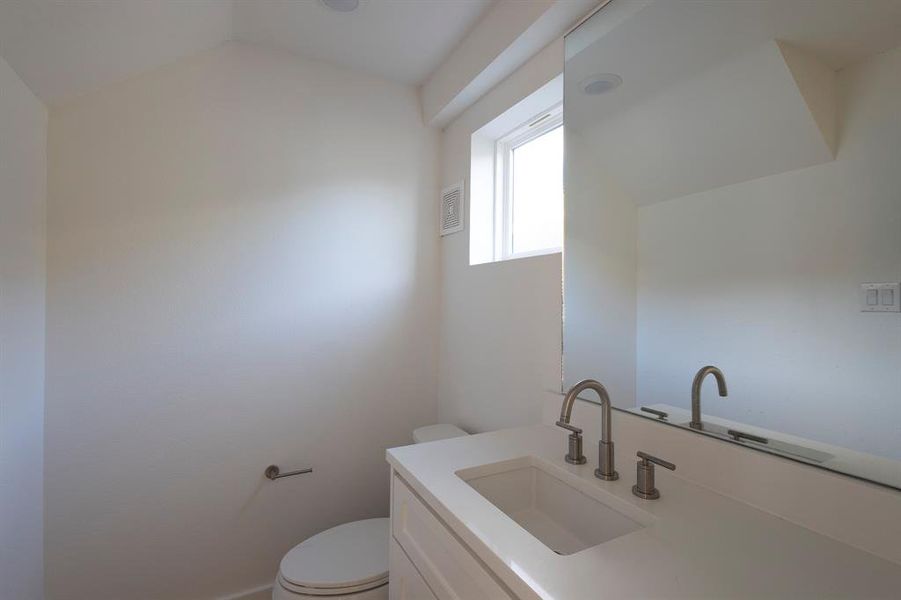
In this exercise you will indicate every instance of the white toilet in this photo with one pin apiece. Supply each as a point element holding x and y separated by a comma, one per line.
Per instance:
<point>350,560</point>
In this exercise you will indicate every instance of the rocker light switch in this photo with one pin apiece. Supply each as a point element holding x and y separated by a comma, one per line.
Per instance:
<point>872,297</point>
<point>880,297</point>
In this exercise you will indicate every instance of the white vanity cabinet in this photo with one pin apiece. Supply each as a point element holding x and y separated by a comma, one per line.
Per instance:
<point>427,560</point>
<point>405,582</point>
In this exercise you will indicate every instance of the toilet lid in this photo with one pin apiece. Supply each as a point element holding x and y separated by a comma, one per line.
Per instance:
<point>349,555</point>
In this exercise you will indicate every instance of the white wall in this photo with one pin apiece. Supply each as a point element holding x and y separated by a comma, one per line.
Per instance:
<point>23,163</point>
<point>243,270</point>
<point>500,322</point>
<point>762,279</point>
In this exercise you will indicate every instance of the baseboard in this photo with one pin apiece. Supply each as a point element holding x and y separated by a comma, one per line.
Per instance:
<point>263,592</point>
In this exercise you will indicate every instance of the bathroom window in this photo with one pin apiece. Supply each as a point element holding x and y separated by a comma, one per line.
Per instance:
<point>528,211</point>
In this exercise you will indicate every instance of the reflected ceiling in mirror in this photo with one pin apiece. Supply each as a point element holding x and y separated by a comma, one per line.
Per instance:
<point>732,191</point>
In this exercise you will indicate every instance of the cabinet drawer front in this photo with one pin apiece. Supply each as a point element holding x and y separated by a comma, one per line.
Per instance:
<point>449,569</point>
<point>405,581</point>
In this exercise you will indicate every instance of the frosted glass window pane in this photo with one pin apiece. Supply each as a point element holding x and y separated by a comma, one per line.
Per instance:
<point>537,198</point>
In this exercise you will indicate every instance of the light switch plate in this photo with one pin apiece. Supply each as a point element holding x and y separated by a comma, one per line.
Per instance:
<point>880,297</point>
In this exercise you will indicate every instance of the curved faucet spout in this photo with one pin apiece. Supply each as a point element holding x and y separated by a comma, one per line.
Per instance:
<point>606,469</point>
<point>598,388</point>
<point>696,392</point>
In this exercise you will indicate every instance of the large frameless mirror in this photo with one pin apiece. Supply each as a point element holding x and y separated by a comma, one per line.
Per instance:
<point>733,200</point>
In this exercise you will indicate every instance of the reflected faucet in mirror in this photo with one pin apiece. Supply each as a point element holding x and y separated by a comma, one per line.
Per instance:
<point>606,467</point>
<point>696,392</point>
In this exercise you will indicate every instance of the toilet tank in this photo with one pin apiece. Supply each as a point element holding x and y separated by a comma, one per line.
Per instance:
<point>431,433</point>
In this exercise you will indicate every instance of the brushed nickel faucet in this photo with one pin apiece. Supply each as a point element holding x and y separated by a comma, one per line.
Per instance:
<point>606,469</point>
<point>696,392</point>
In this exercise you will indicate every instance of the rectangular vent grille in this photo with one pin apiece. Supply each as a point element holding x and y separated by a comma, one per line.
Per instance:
<point>452,209</point>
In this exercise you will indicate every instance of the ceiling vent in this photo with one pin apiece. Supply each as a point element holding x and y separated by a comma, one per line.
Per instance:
<point>452,209</point>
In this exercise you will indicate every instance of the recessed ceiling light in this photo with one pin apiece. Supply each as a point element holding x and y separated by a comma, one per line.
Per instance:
<point>600,83</point>
<point>341,5</point>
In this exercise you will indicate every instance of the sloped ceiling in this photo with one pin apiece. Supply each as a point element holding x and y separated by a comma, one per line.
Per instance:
<point>660,42</point>
<point>715,93</point>
<point>64,48</point>
<point>401,40</point>
<point>743,119</point>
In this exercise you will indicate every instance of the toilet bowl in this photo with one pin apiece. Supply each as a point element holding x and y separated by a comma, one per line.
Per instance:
<point>348,561</point>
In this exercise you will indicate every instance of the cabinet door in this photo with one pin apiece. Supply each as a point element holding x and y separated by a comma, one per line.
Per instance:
<point>447,566</point>
<point>405,582</point>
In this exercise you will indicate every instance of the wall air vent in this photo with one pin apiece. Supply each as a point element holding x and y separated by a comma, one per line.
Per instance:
<point>452,209</point>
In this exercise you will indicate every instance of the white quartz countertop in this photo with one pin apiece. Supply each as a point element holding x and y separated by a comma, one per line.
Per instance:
<point>698,544</point>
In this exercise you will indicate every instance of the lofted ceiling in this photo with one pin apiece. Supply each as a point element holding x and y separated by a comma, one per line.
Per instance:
<point>658,43</point>
<point>751,84</point>
<point>63,48</point>
<point>401,40</point>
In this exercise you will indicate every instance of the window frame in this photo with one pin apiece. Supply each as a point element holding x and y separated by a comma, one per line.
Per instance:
<point>544,122</point>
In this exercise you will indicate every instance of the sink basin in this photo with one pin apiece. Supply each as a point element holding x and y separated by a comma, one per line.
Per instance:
<point>564,516</point>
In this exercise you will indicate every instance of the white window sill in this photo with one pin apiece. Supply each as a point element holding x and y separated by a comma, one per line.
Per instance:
<point>520,256</point>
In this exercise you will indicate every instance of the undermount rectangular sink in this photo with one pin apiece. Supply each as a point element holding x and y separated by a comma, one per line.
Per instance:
<point>562,517</point>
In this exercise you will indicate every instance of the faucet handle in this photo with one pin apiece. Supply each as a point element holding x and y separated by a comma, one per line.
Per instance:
<point>644,476</point>
<point>648,458</point>
<point>567,426</point>
<point>741,435</point>
<point>663,416</point>
<point>575,455</point>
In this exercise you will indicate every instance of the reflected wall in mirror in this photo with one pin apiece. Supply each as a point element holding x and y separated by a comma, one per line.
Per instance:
<point>733,178</point>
